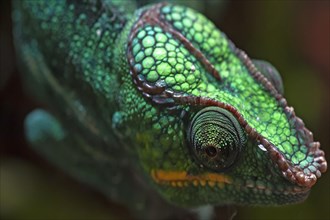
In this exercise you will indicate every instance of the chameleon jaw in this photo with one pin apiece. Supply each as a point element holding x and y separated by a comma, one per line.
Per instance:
<point>181,179</point>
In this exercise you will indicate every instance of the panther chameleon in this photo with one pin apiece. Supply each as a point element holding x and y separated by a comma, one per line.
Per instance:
<point>155,106</point>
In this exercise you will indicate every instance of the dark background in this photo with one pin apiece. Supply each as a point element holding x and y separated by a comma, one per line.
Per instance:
<point>292,35</point>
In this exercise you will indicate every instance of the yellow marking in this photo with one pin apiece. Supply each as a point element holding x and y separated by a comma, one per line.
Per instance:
<point>181,178</point>
<point>211,183</point>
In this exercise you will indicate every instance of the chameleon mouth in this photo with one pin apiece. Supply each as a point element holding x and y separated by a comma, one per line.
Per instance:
<point>181,179</point>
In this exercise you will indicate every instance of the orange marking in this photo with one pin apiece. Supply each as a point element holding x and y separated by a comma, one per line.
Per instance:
<point>211,183</point>
<point>181,177</point>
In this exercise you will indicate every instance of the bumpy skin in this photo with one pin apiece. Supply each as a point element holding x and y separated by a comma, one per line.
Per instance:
<point>137,88</point>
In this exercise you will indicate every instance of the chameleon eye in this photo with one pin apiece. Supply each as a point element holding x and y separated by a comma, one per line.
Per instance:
<point>215,138</point>
<point>270,73</point>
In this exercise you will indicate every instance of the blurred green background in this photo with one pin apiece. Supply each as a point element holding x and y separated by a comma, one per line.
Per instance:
<point>292,35</point>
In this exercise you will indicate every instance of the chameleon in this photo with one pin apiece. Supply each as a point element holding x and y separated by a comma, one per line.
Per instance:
<point>154,106</point>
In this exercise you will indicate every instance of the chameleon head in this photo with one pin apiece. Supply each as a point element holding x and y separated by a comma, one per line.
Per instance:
<point>214,127</point>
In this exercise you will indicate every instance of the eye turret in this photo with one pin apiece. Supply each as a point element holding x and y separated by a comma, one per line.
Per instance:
<point>215,138</point>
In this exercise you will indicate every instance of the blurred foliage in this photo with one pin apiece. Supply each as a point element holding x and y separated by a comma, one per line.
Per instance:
<point>292,35</point>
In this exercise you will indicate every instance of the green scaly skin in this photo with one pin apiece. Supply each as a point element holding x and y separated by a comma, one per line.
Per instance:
<point>161,92</point>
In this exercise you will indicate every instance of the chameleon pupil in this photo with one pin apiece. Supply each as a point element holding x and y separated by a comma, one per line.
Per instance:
<point>211,151</point>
